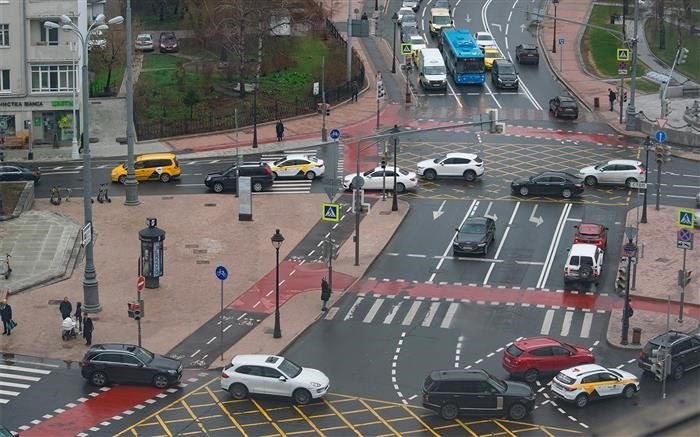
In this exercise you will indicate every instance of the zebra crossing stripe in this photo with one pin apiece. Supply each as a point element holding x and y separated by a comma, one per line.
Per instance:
<point>25,369</point>
<point>352,309</point>
<point>25,378</point>
<point>411,313</point>
<point>14,384</point>
<point>451,310</point>
<point>8,393</point>
<point>586,328</point>
<point>431,314</point>
<point>331,313</point>
<point>373,311</point>
<point>547,323</point>
<point>566,325</point>
<point>390,317</point>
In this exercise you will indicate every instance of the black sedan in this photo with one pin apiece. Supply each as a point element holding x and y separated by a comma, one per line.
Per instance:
<point>474,237</point>
<point>563,106</point>
<point>13,172</point>
<point>549,183</point>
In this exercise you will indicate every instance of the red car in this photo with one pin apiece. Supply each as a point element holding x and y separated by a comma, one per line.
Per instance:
<point>591,233</point>
<point>529,357</point>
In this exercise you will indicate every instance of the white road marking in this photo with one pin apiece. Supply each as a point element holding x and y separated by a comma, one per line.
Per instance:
<point>14,384</point>
<point>390,317</point>
<point>447,320</point>
<point>586,328</point>
<point>331,313</point>
<point>352,309</point>
<point>211,340</point>
<point>549,259</point>
<point>547,323</point>
<point>566,325</point>
<point>411,313</point>
<point>373,311</point>
<point>449,245</point>
<point>25,369</point>
<point>22,377</point>
<point>428,319</point>
<point>503,239</point>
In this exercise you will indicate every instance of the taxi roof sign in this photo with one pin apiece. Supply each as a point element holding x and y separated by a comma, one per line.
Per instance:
<point>623,54</point>
<point>330,212</point>
<point>685,218</point>
<point>405,48</point>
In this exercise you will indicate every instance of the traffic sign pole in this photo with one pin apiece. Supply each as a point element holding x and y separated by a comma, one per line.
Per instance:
<point>222,274</point>
<point>680,315</point>
<point>140,283</point>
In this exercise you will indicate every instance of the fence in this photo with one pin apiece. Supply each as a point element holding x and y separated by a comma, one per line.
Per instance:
<point>97,89</point>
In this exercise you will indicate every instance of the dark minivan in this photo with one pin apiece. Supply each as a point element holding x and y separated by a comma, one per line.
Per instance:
<point>261,177</point>
<point>476,392</point>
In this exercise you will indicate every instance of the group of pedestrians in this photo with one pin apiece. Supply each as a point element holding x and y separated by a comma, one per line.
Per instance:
<point>82,319</point>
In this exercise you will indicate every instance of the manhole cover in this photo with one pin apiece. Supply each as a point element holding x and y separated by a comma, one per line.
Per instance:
<point>210,204</point>
<point>384,212</point>
<point>202,261</point>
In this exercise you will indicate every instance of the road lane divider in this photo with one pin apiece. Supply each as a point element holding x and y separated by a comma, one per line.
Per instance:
<point>549,259</point>
<point>469,213</point>
<point>500,245</point>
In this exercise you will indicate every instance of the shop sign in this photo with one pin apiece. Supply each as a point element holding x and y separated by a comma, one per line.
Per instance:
<point>9,104</point>
<point>62,103</point>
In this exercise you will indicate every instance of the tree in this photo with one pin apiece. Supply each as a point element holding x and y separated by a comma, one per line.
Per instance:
<point>191,99</point>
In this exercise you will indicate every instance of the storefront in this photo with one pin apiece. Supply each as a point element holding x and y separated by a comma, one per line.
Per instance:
<point>45,121</point>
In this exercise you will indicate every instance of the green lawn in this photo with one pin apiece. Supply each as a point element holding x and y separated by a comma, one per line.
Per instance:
<point>155,61</point>
<point>117,77</point>
<point>690,69</point>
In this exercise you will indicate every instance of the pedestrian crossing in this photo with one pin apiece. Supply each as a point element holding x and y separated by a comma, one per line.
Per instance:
<point>269,157</point>
<point>300,186</point>
<point>17,377</point>
<point>447,114</point>
<point>442,313</point>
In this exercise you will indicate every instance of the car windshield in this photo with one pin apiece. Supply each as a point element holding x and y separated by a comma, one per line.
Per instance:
<point>616,373</point>
<point>403,172</point>
<point>500,384</point>
<point>514,350</point>
<point>279,161</point>
<point>441,19</point>
<point>143,355</point>
<point>568,104</point>
<point>483,37</point>
<point>506,69</point>
<point>565,379</point>
<point>417,40</point>
<point>473,228</point>
<point>289,368</point>
<point>599,166</point>
<point>434,70</point>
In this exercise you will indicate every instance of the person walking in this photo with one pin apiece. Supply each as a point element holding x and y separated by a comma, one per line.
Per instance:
<point>6,313</point>
<point>612,95</point>
<point>79,316</point>
<point>279,127</point>
<point>65,308</point>
<point>87,329</point>
<point>355,90</point>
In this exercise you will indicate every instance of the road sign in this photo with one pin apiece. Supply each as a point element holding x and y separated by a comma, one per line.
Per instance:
<point>330,212</point>
<point>685,235</point>
<point>685,218</point>
<point>638,185</point>
<point>87,234</point>
<point>685,245</point>
<point>405,48</point>
<point>358,182</point>
<point>623,54</point>
<point>622,67</point>
<point>562,41</point>
<point>140,283</point>
<point>221,272</point>
<point>629,250</point>
<point>334,134</point>
<point>660,136</point>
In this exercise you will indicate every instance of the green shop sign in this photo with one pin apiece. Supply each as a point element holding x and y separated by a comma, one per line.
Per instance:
<point>62,103</point>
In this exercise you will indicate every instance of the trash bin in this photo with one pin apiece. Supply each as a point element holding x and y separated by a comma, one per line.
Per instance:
<point>636,335</point>
<point>596,102</point>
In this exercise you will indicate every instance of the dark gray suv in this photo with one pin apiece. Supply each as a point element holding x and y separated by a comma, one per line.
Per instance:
<point>504,75</point>
<point>681,350</point>
<point>261,177</point>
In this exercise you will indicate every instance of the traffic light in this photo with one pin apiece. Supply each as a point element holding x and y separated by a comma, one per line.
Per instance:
<point>381,92</point>
<point>684,277</point>
<point>660,152</point>
<point>683,55</point>
<point>383,164</point>
<point>134,310</point>
<point>621,281</point>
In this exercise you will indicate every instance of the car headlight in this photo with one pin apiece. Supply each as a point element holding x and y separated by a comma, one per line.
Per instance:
<point>172,372</point>
<point>315,384</point>
<point>481,244</point>
<point>208,178</point>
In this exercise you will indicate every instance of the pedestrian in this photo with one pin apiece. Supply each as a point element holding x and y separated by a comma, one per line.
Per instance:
<point>354,92</point>
<point>6,313</point>
<point>79,315</point>
<point>279,127</point>
<point>65,308</point>
<point>87,329</point>
<point>612,95</point>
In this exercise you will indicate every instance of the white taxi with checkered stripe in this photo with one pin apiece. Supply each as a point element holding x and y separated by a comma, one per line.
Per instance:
<point>583,383</point>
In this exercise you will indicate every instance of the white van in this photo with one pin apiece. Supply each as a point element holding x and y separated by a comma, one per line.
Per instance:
<point>439,19</point>
<point>431,69</point>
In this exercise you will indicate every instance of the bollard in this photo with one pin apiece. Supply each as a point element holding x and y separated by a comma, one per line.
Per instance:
<point>636,335</point>
<point>596,102</point>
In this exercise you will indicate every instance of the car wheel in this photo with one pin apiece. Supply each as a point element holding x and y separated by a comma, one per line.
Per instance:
<point>98,379</point>
<point>301,396</point>
<point>218,187</point>
<point>470,175</point>
<point>628,392</point>
<point>678,372</point>
<point>449,411</point>
<point>238,391</point>
<point>400,188</point>
<point>566,193</point>
<point>310,175</point>
<point>160,381</point>
<point>585,272</point>
<point>122,179</point>
<point>274,176</point>
<point>531,375</point>
<point>430,175</point>
<point>257,187</point>
<point>517,411</point>
<point>629,181</point>
<point>164,177</point>
<point>591,181</point>
<point>581,400</point>
<point>524,191</point>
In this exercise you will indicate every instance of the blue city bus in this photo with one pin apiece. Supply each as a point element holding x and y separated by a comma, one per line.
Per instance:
<point>463,58</point>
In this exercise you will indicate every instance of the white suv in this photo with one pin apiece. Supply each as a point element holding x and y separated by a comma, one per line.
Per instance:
<point>584,263</point>
<point>466,165</point>
<point>615,172</point>
<point>273,375</point>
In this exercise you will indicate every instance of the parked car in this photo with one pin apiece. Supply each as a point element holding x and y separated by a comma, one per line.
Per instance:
<point>152,166</point>
<point>490,55</point>
<point>298,166</point>
<point>377,178</point>
<point>127,363</point>
<point>530,358</point>
<point>168,42</point>
<point>683,350</point>
<point>591,233</point>
<point>273,375</point>
<point>144,42</point>
<point>454,164</point>
<point>548,183</point>
<point>504,74</point>
<point>527,54</point>
<point>417,43</point>
<point>484,39</point>
<point>474,236</point>
<point>11,172</point>
<point>409,19</point>
<point>615,172</point>
<point>583,263</point>
<point>260,174</point>
<point>444,4</point>
<point>476,392</point>
<point>408,31</point>
<point>563,106</point>
<point>413,4</point>
<point>590,381</point>
<point>402,12</point>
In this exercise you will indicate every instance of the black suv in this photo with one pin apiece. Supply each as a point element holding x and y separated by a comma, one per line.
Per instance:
<point>527,54</point>
<point>118,362</point>
<point>503,74</point>
<point>475,391</point>
<point>684,354</point>
<point>261,177</point>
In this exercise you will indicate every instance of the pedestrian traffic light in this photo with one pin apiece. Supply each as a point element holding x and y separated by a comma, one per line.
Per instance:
<point>383,164</point>
<point>381,92</point>
<point>134,310</point>
<point>659,154</point>
<point>683,55</point>
<point>684,277</point>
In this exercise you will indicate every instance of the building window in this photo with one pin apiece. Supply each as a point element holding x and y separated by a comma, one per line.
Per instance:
<point>49,35</point>
<point>4,35</point>
<point>4,81</point>
<point>52,78</point>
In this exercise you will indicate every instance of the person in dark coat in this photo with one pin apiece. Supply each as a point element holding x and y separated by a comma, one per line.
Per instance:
<point>87,329</point>
<point>79,316</point>
<point>612,95</point>
<point>355,90</point>
<point>65,308</point>
<point>6,313</point>
<point>279,127</point>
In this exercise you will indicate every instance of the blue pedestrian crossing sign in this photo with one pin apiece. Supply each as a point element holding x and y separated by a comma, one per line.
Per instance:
<point>685,218</point>
<point>221,272</point>
<point>334,134</point>
<point>330,212</point>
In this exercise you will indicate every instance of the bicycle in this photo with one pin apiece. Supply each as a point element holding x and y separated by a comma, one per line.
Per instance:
<point>56,197</point>
<point>5,268</point>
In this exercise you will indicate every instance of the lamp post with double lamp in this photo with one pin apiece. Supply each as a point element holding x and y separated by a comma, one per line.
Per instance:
<point>130,183</point>
<point>277,241</point>
<point>74,149</point>
<point>91,298</point>
<point>554,35</point>
<point>255,114</point>
<point>395,200</point>
<point>647,146</point>
<point>394,17</point>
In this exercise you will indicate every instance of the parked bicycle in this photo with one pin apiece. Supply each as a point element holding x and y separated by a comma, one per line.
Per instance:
<point>58,194</point>
<point>5,267</point>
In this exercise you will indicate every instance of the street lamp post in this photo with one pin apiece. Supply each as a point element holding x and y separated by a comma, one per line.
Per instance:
<point>395,200</point>
<point>74,150</point>
<point>277,241</point>
<point>631,109</point>
<point>395,18</point>
<point>255,114</point>
<point>647,145</point>
<point>91,298</point>
<point>554,35</point>
<point>130,183</point>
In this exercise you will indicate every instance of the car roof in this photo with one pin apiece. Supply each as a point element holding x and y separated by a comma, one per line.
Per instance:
<point>625,161</point>
<point>492,50</point>
<point>669,337</point>
<point>112,347</point>
<point>558,173</point>
<point>451,375</point>
<point>298,156</point>
<point>583,370</point>
<point>476,220</point>
<point>155,156</point>
<point>533,342</point>
<point>527,46</point>
<point>566,98</point>
<point>461,155</point>
<point>590,228</point>
<point>143,34</point>
<point>257,359</point>
<point>388,167</point>
<point>484,33</point>
<point>582,249</point>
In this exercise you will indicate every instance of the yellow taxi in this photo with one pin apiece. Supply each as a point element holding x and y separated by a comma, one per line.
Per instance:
<point>490,55</point>
<point>583,383</point>
<point>153,166</point>
<point>297,166</point>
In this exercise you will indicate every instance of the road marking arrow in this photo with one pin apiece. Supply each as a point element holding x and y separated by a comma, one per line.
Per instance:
<point>439,212</point>
<point>522,28</point>
<point>493,217</point>
<point>468,19</point>
<point>534,219</point>
<point>496,25</point>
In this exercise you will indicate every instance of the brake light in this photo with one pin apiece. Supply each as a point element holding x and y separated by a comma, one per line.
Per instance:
<point>412,179</point>
<point>224,375</point>
<point>568,388</point>
<point>642,170</point>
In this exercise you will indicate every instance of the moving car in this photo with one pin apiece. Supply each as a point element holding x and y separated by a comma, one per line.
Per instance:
<point>298,166</point>
<point>563,106</point>
<point>581,384</point>
<point>261,177</point>
<point>144,42</point>
<point>12,172</point>
<point>153,166</point>
<point>455,164</point>
<point>527,54</point>
<point>409,19</point>
<point>584,263</point>
<point>273,375</point>
<point>168,42</point>
<point>490,55</point>
<point>474,236</point>
<point>615,172</point>
<point>440,19</point>
<point>377,178</point>
<point>476,392</point>
<point>405,11</point>
<point>407,31</point>
<point>441,4</point>
<point>683,352</point>
<point>591,233</point>
<point>548,183</point>
<point>123,363</point>
<point>484,39</point>
<point>504,74</point>
<point>412,4</point>
<point>531,357</point>
<point>417,43</point>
